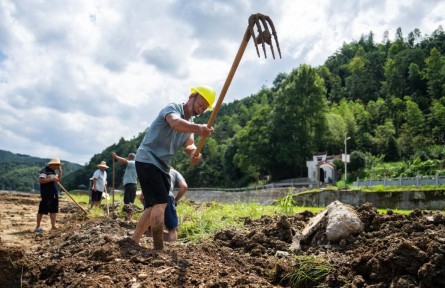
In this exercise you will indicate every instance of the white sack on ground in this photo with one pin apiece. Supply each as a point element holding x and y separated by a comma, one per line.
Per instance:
<point>342,222</point>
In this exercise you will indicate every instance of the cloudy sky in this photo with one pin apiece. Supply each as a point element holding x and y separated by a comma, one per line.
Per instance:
<point>76,76</point>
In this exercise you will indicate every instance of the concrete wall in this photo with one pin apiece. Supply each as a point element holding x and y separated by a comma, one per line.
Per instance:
<point>264,196</point>
<point>432,200</point>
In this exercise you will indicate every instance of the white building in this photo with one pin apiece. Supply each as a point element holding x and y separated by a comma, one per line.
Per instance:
<point>321,168</point>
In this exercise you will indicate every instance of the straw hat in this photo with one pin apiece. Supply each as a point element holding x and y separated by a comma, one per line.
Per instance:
<point>54,161</point>
<point>103,164</point>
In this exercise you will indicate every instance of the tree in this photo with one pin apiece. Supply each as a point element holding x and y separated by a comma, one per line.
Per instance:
<point>298,119</point>
<point>254,148</point>
<point>357,164</point>
<point>414,117</point>
<point>435,74</point>
<point>414,37</point>
<point>417,86</point>
<point>385,141</point>
<point>394,82</point>
<point>355,82</point>
<point>336,132</point>
<point>437,121</point>
<point>412,136</point>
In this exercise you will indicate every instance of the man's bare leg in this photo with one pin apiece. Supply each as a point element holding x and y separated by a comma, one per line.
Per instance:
<point>39,220</point>
<point>157,225</point>
<point>52,216</point>
<point>172,235</point>
<point>142,225</point>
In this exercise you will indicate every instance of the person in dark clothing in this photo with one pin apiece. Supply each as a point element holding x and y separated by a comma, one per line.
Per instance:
<point>130,181</point>
<point>49,193</point>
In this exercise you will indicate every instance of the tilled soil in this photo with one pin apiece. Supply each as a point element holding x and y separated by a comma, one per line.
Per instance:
<point>393,251</point>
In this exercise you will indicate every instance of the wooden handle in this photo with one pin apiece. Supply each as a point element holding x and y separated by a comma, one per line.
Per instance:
<point>112,199</point>
<point>229,78</point>
<point>66,192</point>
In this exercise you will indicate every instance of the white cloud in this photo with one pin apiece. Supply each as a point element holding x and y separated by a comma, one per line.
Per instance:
<point>76,76</point>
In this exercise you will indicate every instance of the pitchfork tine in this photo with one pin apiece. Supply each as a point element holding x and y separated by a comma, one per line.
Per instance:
<point>274,33</point>
<point>264,36</point>
<point>260,33</point>
<point>268,35</point>
<point>252,32</point>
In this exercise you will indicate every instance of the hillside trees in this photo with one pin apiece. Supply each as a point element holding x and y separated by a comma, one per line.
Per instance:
<point>377,95</point>
<point>254,145</point>
<point>437,121</point>
<point>21,172</point>
<point>298,121</point>
<point>388,97</point>
<point>435,74</point>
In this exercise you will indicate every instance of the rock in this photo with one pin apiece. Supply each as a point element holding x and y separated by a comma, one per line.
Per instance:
<point>342,222</point>
<point>314,224</point>
<point>281,254</point>
<point>142,276</point>
<point>338,220</point>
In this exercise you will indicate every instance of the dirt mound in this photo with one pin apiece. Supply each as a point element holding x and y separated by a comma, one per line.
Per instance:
<point>393,251</point>
<point>99,254</point>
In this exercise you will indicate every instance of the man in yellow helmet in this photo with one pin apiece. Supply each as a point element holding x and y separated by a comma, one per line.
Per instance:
<point>172,129</point>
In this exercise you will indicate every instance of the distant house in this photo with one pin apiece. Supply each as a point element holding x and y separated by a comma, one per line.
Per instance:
<point>321,168</point>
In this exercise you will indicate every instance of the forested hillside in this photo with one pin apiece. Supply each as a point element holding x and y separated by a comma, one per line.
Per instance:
<point>21,172</point>
<point>122,148</point>
<point>387,95</point>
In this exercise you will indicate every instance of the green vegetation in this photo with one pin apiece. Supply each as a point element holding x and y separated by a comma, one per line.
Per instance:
<point>21,172</point>
<point>388,96</point>
<point>308,272</point>
<point>286,203</point>
<point>397,211</point>
<point>82,198</point>
<point>198,222</point>
<point>201,221</point>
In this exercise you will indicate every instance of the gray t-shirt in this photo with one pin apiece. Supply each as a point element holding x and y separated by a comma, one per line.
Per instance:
<point>175,178</point>
<point>130,175</point>
<point>161,142</point>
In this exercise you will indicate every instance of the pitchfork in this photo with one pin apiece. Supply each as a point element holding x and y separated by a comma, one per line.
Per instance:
<point>262,23</point>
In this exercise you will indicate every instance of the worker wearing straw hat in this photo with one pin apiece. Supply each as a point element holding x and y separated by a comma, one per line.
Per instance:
<point>99,184</point>
<point>49,193</point>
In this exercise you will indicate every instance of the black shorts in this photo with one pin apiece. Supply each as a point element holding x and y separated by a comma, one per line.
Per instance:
<point>129,193</point>
<point>96,196</point>
<point>49,203</point>
<point>155,184</point>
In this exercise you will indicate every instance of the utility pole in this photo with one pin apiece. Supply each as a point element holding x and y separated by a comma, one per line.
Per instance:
<point>346,156</point>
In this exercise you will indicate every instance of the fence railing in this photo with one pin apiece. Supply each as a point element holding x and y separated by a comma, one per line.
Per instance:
<point>401,181</point>
<point>288,183</point>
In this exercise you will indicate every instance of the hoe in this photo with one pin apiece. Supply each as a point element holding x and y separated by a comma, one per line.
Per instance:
<point>262,23</point>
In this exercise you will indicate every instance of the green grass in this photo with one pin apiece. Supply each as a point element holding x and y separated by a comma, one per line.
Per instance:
<point>381,188</point>
<point>378,188</point>
<point>82,198</point>
<point>204,220</point>
<point>200,221</point>
<point>398,211</point>
<point>309,271</point>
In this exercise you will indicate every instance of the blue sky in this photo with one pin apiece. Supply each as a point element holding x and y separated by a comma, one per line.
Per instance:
<point>76,76</point>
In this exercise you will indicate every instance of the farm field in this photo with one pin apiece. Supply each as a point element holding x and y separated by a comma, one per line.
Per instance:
<point>393,251</point>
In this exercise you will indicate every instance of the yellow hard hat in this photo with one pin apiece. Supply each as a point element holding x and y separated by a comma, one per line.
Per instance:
<point>207,92</point>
